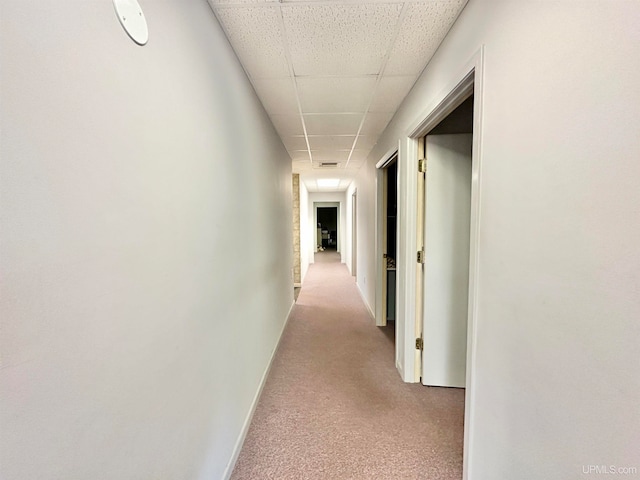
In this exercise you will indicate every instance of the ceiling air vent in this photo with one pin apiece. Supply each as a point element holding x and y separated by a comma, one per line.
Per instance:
<point>328,164</point>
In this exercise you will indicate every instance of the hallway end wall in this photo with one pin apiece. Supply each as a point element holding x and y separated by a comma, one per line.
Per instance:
<point>146,265</point>
<point>555,382</point>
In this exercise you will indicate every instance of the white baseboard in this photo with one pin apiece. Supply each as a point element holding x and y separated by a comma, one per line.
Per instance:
<point>247,422</point>
<point>366,304</point>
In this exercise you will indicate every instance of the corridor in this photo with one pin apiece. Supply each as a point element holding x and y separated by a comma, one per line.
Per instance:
<point>334,406</point>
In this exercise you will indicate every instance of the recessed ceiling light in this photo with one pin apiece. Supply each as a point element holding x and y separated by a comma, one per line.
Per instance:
<point>328,182</point>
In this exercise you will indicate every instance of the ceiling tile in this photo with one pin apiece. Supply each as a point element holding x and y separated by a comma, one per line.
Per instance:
<point>324,142</point>
<point>366,142</point>
<point>423,28</point>
<point>390,93</point>
<point>340,39</point>
<point>287,125</point>
<point>330,155</point>
<point>375,123</point>
<point>295,143</point>
<point>359,156</point>
<point>277,95</point>
<point>346,124</point>
<point>335,94</point>
<point>299,155</point>
<point>254,33</point>
<point>355,164</point>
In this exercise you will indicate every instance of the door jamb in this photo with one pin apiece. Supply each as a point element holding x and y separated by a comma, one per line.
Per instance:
<point>354,234</point>
<point>380,222</point>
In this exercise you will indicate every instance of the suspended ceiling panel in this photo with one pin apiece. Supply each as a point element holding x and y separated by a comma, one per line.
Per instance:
<point>391,92</point>
<point>278,95</point>
<point>331,74</point>
<point>424,27</point>
<point>318,35</point>
<point>256,38</point>
<point>333,123</point>
<point>336,94</point>
<point>375,123</point>
<point>329,142</point>
<point>287,125</point>
<point>295,143</point>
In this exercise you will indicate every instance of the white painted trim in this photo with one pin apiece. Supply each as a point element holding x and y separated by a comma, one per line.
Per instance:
<point>448,103</point>
<point>386,158</point>
<point>380,309</point>
<point>247,422</point>
<point>366,304</point>
<point>399,367</point>
<point>353,207</point>
<point>297,285</point>
<point>474,263</point>
<point>406,266</point>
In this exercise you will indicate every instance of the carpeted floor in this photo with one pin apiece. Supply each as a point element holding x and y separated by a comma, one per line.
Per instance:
<point>334,406</point>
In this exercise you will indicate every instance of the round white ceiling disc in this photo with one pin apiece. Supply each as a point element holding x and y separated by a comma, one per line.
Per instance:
<point>132,20</point>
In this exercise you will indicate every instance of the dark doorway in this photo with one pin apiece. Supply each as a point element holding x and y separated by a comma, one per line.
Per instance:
<point>391,212</point>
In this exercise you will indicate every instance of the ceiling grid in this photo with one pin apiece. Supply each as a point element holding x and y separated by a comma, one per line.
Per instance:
<point>331,74</point>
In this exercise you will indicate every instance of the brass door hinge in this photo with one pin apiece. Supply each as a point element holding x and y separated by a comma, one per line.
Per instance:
<point>422,165</point>
<point>419,344</point>
<point>420,256</point>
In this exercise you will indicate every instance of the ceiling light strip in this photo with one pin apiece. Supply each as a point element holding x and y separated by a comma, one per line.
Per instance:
<point>403,14</point>
<point>292,75</point>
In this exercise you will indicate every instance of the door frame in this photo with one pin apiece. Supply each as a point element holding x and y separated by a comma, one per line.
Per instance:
<point>381,236</point>
<point>354,234</point>
<point>335,205</point>
<point>469,79</point>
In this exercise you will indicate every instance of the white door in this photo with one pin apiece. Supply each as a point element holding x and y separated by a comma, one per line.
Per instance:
<point>446,269</point>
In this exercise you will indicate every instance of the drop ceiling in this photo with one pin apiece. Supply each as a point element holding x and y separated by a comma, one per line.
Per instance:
<point>331,74</point>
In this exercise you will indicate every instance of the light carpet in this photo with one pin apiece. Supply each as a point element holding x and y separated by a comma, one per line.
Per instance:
<point>334,406</point>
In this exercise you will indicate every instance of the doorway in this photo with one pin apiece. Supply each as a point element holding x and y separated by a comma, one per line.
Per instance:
<point>448,204</point>
<point>387,240</point>
<point>327,228</point>
<point>354,234</point>
<point>410,344</point>
<point>323,217</point>
<point>446,239</point>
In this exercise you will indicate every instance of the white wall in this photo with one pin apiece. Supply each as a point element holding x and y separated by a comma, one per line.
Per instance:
<point>130,271</point>
<point>556,374</point>
<point>305,232</point>
<point>365,182</point>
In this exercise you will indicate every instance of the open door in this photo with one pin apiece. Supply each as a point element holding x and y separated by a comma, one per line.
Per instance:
<point>447,216</point>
